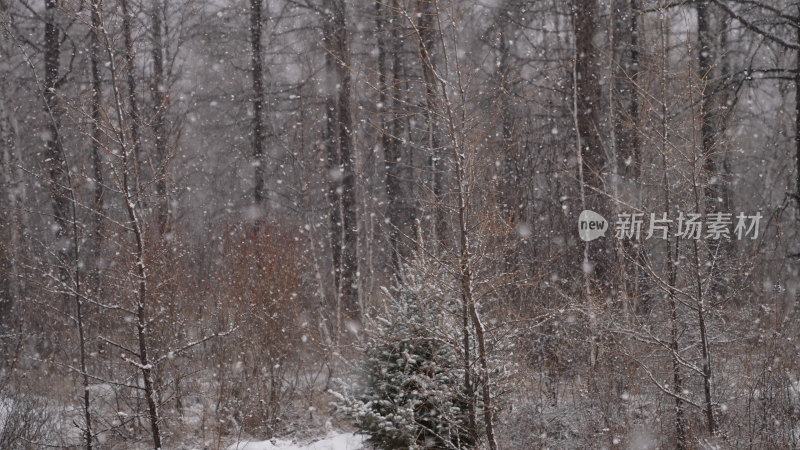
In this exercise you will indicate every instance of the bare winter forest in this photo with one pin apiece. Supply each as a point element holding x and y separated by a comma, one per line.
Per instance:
<point>399,224</point>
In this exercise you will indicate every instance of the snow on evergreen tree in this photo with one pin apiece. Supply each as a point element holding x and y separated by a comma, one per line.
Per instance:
<point>412,392</point>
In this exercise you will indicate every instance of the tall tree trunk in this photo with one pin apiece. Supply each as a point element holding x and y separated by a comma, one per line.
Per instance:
<point>702,306</point>
<point>705,350</point>
<point>465,275</point>
<point>159,93</point>
<point>704,58</point>
<point>469,383</point>
<point>631,281</point>
<point>331,147</point>
<point>597,260</point>
<point>389,141</point>
<point>407,212</point>
<point>257,72</point>
<point>716,192</point>
<point>7,144</point>
<point>634,141</point>
<point>677,379</point>
<point>133,105</point>
<point>425,25</point>
<point>53,154</point>
<point>626,119</point>
<point>512,203</point>
<point>98,140</point>
<point>588,90</point>
<point>403,212</point>
<point>98,143</point>
<point>79,320</point>
<point>142,318</point>
<point>797,112</point>
<point>426,34</point>
<point>10,199</point>
<point>465,278</point>
<point>339,142</point>
<point>465,262</point>
<point>509,175</point>
<point>350,233</point>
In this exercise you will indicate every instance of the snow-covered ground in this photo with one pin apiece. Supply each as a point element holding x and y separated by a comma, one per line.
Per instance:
<point>334,441</point>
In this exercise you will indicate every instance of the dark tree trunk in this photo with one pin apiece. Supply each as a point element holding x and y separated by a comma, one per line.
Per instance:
<point>350,233</point>
<point>708,407</point>
<point>704,58</point>
<point>130,72</point>
<point>339,143</point>
<point>510,178</point>
<point>436,158</point>
<point>403,213</point>
<point>6,252</point>
<point>159,94</point>
<point>714,96</point>
<point>797,113</point>
<point>716,192</point>
<point>632,280</point>
<point>626,117</point>
<point>677,379</point>
<point>331,145</point>
<point>9,217</point>
<point>257,72</point>
<point>389,141</point>
<point>98,143</point>
<point>53,155</point>
<point>142,318</point>
<point>98,139</point>
<point>633,143</point>
<point>593,160</point>
<point>427,35</point>
<point>467,298</point>
<point>588,90</point>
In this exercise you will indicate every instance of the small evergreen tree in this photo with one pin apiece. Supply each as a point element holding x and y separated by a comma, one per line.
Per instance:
<point>412,392</point>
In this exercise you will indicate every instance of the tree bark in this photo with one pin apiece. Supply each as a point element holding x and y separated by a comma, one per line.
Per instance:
<point>797,113</point>
<point>141,312</point>
<point>389,141</point>
<point>339,142</point>
<point>704,58</point>
<point>717,195</point>
<point>159,93</point>
<point>133,105</point>
<point>403,213</point>
<point>465,275</point>
<point>704,346</point>
<point>53,154</point>
<point>98,139</point>
<point>626,119</point>
<point>436,159</point>
<point>465,261</point>
<point>257,72</point>
<point>7,225</point>
<point>144,364</point>
<point>593,160</point>
<point>672,269</point>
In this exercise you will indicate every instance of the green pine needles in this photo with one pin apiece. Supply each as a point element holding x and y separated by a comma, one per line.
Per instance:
<point>412,392</point>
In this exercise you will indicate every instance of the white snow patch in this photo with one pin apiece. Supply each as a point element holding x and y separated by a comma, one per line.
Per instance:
<point>334,441</point>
